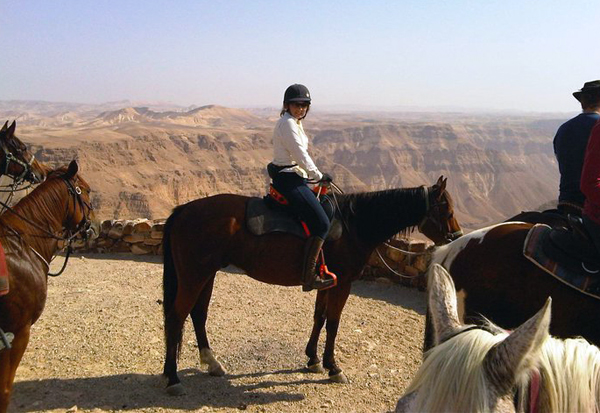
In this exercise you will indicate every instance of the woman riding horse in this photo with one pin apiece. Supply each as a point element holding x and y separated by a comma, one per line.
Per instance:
<point>290,170</point>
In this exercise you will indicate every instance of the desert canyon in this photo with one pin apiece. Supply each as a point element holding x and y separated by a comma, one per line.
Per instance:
<point>141,161</point>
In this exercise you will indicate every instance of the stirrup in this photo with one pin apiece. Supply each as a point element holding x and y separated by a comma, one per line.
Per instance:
<point>319,283</point>
<point>323,280</point>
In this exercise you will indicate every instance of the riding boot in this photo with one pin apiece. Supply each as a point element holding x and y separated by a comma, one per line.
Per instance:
<point>310,279</point>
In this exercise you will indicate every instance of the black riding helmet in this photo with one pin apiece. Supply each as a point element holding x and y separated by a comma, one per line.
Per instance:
<point>296,93</point>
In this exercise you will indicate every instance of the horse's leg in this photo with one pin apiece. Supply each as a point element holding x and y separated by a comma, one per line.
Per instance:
<point>314,363</point>
<point>9,361</point>
<point>4,379</point>
<point>187,294</point>
<point>336,299</point>
<point>199,315</point>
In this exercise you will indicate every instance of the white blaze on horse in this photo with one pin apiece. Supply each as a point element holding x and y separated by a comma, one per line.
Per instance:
<point>486,369</point>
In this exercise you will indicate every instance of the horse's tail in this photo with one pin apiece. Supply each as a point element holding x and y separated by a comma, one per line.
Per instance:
<point>170,283</point>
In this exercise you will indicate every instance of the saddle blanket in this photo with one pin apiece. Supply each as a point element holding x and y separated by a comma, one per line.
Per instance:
<point>3,273</point>
<point>263,219</point>
<point>579,279</point>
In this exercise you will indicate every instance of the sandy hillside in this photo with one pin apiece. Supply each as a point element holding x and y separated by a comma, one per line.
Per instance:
<point>98,346</point>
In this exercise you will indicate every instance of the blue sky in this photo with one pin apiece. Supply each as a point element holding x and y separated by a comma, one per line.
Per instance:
<point>505,55</point>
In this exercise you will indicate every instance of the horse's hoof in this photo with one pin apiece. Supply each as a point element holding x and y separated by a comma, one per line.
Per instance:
<point>339,378</point>
<point>217,371</point>
<point>316,368</point>
<point>176,390</point>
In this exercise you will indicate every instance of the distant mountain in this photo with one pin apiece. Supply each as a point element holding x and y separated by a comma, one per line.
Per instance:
<point>142,161</point>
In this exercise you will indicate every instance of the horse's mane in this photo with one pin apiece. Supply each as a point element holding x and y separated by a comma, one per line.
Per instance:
<point>570,371</point>
<point>381,214</point>
<point>453,375</point>
<point>44,201</point>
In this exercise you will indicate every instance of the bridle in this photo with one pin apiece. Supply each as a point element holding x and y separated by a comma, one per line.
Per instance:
<point>84,227</point>
<point>26,165</point>
<point>432,214</point>
<point>27,173</point>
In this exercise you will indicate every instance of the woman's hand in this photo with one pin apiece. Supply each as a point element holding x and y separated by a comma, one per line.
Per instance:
<point>326,178</point>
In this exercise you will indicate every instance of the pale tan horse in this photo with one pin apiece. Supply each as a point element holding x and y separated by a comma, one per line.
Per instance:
<point>486,369</point>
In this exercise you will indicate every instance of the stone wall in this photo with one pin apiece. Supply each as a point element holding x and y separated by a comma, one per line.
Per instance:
<point>144,237</point>
<point>139,236</point>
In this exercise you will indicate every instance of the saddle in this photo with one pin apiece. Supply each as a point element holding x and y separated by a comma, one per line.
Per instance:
<point>272,214</point>
<point>567,254</point>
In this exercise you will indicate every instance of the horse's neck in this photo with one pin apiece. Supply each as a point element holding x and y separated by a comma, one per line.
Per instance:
<point>387,213</point>
<point>34,221</point>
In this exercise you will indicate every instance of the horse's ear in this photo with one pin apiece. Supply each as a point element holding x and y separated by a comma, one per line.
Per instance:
<point>5,127</point>
<point>518,352</point>
<point>11,129</point>
<point>442,303</point>
<point>73,168</point>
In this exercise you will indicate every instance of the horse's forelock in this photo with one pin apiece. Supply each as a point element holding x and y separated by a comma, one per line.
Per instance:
<point>453,377</point>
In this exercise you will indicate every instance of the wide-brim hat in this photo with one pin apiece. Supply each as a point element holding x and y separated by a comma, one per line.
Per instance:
<point>592,86</point>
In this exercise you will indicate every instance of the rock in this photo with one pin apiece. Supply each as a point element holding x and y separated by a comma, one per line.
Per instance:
<point>141,249</point>
<point>152,241</point>
<point>104,242</point>
<point>156,234</point>
<point>158,227</point>
<point>418,246</point>
<point>105,226</point>
<point>394,254</point>
<point>116,232</point>
<point>134,238</point>
<point>128,228</point>
<point>142,227</point>
<point>411,271</point>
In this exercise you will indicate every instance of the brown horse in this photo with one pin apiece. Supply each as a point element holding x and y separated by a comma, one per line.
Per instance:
<point>15,159</point>
<point>210,233</point>
<point>495,280</point>
<point>58,209</point>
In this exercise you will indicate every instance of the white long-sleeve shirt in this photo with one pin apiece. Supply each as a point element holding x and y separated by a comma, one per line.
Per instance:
<point>290,147</point>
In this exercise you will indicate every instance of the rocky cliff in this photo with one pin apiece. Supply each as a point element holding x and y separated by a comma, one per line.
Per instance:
<point>141,161</point>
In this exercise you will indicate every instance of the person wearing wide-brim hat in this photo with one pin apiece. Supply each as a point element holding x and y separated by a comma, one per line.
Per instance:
<point>570,143</point>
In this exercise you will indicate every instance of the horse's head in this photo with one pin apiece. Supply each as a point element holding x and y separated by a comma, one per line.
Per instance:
<point>439,223</point>
<point>18,162</point>
<point>80,213</point>
<point>471,369</point>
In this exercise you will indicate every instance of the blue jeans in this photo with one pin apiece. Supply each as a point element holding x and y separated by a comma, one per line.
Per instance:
<point>303,202</point>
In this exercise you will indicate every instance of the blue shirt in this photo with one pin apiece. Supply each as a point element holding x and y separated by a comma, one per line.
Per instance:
<point>569,147</point>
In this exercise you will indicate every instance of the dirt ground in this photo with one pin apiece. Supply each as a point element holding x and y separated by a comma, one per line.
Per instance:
<point>98,346</point>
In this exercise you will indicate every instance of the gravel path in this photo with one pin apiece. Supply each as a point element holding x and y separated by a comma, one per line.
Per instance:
<point>98,346</point>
